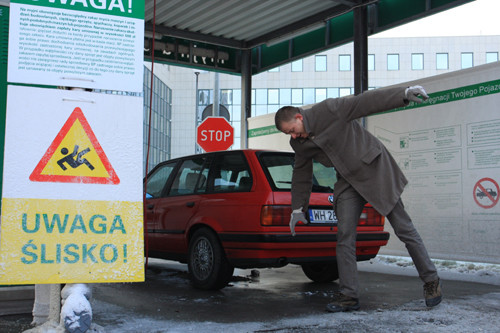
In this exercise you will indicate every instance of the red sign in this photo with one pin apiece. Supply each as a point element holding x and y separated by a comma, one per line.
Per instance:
<point>486,193</point>
<point>215,133</point>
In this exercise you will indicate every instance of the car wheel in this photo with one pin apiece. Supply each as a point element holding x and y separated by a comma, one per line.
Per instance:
<point>321,272</point>
<point>207,262</point>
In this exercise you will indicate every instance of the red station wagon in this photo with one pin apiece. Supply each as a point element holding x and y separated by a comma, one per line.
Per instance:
<point>231,209</point>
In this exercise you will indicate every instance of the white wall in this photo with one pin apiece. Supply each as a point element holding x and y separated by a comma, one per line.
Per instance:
<point>445,150</point>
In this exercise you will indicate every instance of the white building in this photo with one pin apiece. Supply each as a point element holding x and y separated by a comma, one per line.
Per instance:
<point>312,79</point>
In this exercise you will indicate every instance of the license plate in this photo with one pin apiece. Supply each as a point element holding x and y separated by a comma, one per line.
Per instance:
<point>322,216</point>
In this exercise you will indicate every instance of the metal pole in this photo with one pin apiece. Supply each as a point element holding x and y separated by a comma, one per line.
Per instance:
<point>196,111</point>
<point>246,95</point>
<point>215,109</point>
<point>360,50</point>
<point>360,53</point>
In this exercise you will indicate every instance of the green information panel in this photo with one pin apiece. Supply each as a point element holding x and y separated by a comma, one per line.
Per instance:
<point>128,8</point>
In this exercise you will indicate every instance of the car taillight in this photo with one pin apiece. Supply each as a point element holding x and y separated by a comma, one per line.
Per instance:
<point>275,215</point>
<point>370,216</point>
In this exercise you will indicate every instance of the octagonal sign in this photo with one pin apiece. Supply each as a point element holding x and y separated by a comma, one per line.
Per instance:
<point>215,133</point>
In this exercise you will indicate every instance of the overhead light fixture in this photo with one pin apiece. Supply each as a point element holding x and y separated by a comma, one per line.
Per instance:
<point>183,50</point>
<point>296,33</point>
<point>149,34</point>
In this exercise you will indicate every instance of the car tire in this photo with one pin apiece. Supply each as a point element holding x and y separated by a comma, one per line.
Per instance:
<point>207,263</point>
<point>321,272</point>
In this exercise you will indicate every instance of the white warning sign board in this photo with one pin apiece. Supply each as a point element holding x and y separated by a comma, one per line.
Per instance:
<point>72,188</point>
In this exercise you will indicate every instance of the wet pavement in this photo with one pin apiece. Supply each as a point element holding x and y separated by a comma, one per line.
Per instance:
<point>276,294</point>
<point>263,295</point>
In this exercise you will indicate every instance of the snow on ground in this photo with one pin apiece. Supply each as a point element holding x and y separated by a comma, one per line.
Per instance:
<point>467,314</point>
<point>447,269</point>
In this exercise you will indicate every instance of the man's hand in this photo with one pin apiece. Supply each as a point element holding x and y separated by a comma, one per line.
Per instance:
<point>297,216</point>
<point>413,92</point>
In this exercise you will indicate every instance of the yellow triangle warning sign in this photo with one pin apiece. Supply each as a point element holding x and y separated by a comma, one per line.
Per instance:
<point>75,156</point>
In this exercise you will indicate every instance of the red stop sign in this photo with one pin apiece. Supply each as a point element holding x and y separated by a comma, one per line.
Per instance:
<point>215,133</point>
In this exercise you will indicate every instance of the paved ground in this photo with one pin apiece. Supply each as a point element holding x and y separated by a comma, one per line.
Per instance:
<point>274,295</point>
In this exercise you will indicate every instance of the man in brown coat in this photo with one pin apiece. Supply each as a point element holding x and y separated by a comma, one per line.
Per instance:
<point>329,133</point>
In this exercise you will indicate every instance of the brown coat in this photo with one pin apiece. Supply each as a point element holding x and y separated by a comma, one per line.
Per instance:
<point>337,139</point>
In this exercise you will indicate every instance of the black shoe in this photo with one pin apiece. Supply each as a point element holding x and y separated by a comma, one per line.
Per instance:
<point>344,304</point>
<point>432,293</point>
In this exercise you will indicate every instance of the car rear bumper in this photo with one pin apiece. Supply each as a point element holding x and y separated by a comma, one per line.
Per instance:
<point>277,250</point>
<point>299,238</point>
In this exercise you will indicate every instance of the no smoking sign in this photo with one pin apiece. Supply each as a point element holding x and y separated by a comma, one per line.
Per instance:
<point>486,193</point>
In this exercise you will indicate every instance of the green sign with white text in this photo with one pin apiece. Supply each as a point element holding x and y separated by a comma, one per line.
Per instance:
<point>127,8</point>
<point>96,44</point>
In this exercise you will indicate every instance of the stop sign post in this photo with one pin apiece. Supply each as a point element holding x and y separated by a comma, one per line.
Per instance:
<point>215,133</point>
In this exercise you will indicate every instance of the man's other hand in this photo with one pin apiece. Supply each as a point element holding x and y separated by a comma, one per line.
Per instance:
<point>297,216</point>
<point>413,92</point>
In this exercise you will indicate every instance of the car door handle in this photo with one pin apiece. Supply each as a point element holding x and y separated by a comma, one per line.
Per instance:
<point>190,204</point>
<point>150,206</point>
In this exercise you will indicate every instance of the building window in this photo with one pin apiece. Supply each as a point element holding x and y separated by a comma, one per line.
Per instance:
<point>260,110</point>
<point>320,63</point>
<point>226,97</point>
<point>231,99</point>
<point>285,96</point>
<point>309,96</point>
<point>259,101</point>
<point>371,62</point>
<point>332,92</point>
<point>344,62</point>
<point>417,61</point>
<point>393,62</point>
<point>297,96</point>
<point>236,107</point>
<point>204,96</point>
<point>260,96</point>
<point>467,60</point>
<point>161,120</point>
<point>344,92</point>
<point>297,66</point>
<point>320,94</point>
<point>491,57</point>
<point>441,60</point>
<point>273,96</point>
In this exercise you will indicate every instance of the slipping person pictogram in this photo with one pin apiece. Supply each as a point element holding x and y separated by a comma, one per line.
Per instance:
<point>70,159</point>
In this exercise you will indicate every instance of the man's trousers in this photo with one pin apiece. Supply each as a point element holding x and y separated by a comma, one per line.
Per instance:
<point>348,208</point>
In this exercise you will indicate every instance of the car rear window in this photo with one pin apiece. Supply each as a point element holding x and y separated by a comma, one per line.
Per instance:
<point>279,167</point>
<point>231,173</point>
